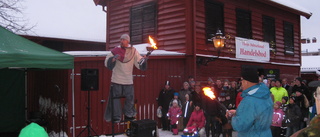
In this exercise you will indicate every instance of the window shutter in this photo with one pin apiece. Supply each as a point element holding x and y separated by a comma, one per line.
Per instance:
<point>244,23</point>
<point>214,18</point>
<point>268,24</point>
<point>288,37</point>
<point>142,22</point>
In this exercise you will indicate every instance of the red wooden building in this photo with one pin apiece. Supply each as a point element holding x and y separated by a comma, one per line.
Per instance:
<point>183,26</point>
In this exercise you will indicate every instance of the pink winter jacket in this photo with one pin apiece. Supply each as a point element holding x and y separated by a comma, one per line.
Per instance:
<point>277,117</point>
<point>174,113</point>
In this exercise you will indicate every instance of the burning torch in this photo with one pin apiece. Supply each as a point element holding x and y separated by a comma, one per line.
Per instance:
<point>149,49</point>
<point>209,93</point>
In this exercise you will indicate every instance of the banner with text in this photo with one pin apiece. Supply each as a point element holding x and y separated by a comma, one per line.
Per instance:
<point>252,49</point>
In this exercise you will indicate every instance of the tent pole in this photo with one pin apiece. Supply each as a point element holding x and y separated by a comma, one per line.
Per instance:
<point>73,117</point>
<point>26,93</point>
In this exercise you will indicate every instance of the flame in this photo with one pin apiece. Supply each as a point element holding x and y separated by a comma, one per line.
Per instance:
<point>152,43</point>
<point>209,93</point>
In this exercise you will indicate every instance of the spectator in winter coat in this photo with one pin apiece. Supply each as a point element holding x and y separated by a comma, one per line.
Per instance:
<point>187,109</point>
<point>277,119</point>
<point>185,90</point>
<point>197,95</point>
<point>303,103</point>
<point>303,88</point>
<point>278,91</point>
<point>173,115</point>
<point>238,98</point>
<point>292,118</point>
<point>313,129</point>
<point>197,120</point>
<point>165,96</point>
<point>253,116</point>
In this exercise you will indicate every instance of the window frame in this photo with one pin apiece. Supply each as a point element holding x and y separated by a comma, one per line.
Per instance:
<point>269,31</point>
<point>243,23</point>
<point>288,37</point>
<point>143,22</point>
<point>214,17</point>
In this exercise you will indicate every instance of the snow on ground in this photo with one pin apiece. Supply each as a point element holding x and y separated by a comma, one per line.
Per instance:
<point>167,134</point>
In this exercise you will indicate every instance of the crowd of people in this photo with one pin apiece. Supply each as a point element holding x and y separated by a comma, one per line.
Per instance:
<point>189,110</point>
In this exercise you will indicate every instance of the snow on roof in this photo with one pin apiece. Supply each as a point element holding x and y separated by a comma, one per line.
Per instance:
<point>294,6</point>
<point>310,64</point>
<point>310,47</point>
<point>140,47</point>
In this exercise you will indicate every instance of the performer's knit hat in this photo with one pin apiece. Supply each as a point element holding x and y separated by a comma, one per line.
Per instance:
<point>250,74</point>
<point>126,37</point>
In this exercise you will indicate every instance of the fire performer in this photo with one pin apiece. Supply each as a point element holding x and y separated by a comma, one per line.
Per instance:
<point>121,61</point>
<point>254,114</point>
<point>214,112</point>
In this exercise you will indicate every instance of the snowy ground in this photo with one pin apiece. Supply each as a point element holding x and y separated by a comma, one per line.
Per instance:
<point>167,134</point>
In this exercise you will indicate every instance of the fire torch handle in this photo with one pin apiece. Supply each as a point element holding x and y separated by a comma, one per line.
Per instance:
<point>143,60</point>
<point>149,53</point>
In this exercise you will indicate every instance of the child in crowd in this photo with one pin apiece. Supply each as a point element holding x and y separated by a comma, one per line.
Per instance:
<point>277,119</point>
<point>175,97</point>
<point>285,103</point>
<point>173,115</point>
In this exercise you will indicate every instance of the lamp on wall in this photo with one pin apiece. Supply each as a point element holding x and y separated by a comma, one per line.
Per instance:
<point>219,41</point>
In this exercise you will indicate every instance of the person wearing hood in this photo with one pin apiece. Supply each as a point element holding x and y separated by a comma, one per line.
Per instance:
<point>278,116</point>
<point>197,120</point>
<point>253,116</point>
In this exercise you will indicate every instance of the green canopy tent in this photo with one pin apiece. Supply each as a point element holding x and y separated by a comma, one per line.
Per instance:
<point>16,51</point>
<point>19,52</point>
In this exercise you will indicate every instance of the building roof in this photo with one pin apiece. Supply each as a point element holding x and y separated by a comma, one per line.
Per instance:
<point>310,47</point>
<point>310,64</point>
<point>288,4</point>
<point>140,47</point>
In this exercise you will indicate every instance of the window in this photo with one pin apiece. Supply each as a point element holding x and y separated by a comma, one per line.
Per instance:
<point>214,18</point>
<point>142,22</point>
<point>269,33</point>
<point>288,37</point>
<point>244,23</point>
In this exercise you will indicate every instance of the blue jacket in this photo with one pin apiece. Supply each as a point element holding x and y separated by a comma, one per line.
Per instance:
<point>254,114</point>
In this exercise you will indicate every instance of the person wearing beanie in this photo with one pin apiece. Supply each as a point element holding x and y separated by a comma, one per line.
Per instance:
<point>278,91</point>
<point>173,114</point>
<point>284,103</point>
<point>292,118</point>
<point>253,116</point>
<point>175,97</point>
<point>302,101</point>
<point>121,61</point>
<point>303,88</point>
<point>313,129</point>
<point>277,119</point>
<point>164,98</point>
